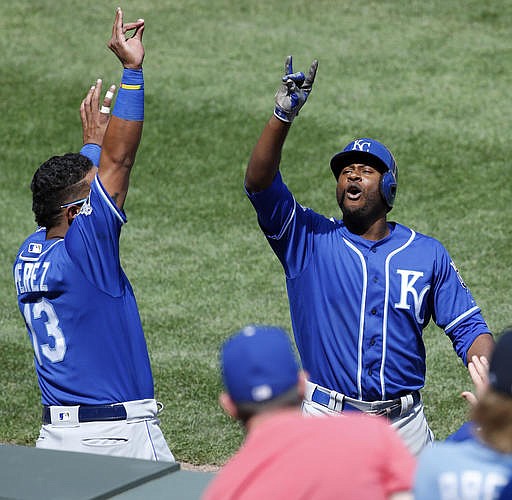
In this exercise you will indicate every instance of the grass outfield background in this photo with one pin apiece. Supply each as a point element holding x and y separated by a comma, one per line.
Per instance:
<point>430,79</point>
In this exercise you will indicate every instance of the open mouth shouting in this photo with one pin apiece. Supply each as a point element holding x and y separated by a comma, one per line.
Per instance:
<point>353,192</point>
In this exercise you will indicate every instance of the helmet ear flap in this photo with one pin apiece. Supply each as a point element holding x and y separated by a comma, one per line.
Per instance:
<point>388,187</point>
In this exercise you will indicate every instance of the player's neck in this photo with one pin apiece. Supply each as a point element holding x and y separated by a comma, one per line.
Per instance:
<point>373,230</point>
<point>58,231</point>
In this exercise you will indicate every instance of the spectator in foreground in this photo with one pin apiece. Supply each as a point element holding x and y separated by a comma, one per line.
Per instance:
<point>288,455</point>
<point>476,468</point>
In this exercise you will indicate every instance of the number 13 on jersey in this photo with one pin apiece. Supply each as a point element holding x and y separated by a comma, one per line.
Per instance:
<point>43,324</point>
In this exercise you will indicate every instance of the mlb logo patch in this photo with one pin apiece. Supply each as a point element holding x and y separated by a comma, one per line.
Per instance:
<point>35,248</point>
<point>64,416</point>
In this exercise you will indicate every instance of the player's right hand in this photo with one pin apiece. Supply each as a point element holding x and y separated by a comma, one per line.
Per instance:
<point>294,91</point>
<point>129,50</point>
<point>95,119</point>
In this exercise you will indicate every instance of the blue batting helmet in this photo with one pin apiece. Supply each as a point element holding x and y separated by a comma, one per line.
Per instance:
<point>375,154</point>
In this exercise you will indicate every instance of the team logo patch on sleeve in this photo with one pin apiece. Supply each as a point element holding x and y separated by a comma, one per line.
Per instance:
<point>458,274</point>
<point>86,208</point>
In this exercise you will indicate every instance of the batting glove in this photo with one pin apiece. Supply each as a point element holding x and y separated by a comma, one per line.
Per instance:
<point>294,91</point>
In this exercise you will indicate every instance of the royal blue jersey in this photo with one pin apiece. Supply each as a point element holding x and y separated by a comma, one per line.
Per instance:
<point>467,469</point>
<point>80,311</point>
<point>358,307</point>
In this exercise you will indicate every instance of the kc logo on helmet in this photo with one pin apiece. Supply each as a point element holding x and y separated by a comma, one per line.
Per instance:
<point>361,146</point>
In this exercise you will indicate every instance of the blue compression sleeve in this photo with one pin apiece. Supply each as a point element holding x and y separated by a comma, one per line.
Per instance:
<point>130,98</point>
<point>93,152</point>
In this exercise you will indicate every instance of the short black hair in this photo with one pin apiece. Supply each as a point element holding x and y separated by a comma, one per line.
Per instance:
<point>54,182</point>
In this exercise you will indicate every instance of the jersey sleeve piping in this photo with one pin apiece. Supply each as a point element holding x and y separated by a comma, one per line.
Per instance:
<point>461,317</point>
<point>361,316</point>
<point>386,312</point>
<point>101,190</point>
<point>285,225</point>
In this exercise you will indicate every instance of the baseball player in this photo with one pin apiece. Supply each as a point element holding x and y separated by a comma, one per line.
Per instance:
<point>362,289</point>
<point>81,315</point>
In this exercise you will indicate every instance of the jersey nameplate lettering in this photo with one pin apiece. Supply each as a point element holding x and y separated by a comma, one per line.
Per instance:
<point>31,276</point>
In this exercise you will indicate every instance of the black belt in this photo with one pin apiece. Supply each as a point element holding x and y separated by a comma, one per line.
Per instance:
<point>390,409</point>
<point>91,413</point>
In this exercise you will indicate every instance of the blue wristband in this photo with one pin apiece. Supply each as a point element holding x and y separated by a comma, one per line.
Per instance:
<point>93,152</point>
<point>130,97</point>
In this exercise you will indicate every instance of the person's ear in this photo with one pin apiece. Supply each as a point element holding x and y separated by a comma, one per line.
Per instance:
<point>228,405</point>
<point>72,212</point>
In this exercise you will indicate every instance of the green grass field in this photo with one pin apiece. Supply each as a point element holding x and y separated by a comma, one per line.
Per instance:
<point>431,79</point>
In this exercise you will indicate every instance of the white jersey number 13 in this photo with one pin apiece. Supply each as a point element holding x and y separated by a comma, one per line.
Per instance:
<point>34,312</point>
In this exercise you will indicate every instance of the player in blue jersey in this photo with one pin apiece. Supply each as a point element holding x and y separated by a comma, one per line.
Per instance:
<point>82,318</point>
<point>362,289</point>
<point>477,468</point>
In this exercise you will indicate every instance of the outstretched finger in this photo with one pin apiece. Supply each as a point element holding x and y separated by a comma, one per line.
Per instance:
<point>85,106</point>
<point>95,99</point>
<point>86,101</point>
<point>288,66</point>
<point>308,83</point>
<point>481,366</point>
<point>107,100</point>
<point>118,22</point>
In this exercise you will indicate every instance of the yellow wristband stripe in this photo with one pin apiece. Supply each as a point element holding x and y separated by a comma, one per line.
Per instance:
<point>130,87</point>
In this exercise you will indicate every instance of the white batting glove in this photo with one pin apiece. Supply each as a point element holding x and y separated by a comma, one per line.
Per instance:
<point>294,91</point>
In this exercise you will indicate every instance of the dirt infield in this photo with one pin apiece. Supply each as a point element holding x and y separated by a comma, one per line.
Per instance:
<point>199,468</point>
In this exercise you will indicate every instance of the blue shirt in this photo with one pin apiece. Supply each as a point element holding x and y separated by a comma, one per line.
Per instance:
<point>464,470</point>
<point>358,307</point>
<point>80,311</point>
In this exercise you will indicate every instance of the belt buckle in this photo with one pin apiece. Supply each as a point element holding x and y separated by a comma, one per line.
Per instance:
<point>64,416</point>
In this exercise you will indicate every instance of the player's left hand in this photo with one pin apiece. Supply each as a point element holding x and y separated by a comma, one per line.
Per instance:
<point>478,369</point>
<point>294,91</point>
<point>95,119</point>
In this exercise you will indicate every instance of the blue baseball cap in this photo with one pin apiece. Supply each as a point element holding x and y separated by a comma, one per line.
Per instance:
<point>258,364</point>
<point>367,151</point>
<point>500,368</point>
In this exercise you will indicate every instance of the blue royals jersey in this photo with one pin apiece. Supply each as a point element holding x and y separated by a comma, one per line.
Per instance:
<point>80,311</point>
<point>358,307</point>
<point>469,470</point>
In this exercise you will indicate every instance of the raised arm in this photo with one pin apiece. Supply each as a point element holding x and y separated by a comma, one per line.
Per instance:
<point>289,99</point>
<point>124,130</point>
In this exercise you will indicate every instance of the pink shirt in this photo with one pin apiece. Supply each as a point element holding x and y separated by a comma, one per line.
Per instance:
<point>292,456</point>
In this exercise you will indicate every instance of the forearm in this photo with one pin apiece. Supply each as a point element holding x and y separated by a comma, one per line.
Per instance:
<point>483,345</point>
<point>122,138</point>
<point>124,130</point>
<point>121,143</point>
<point>266,156</point>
